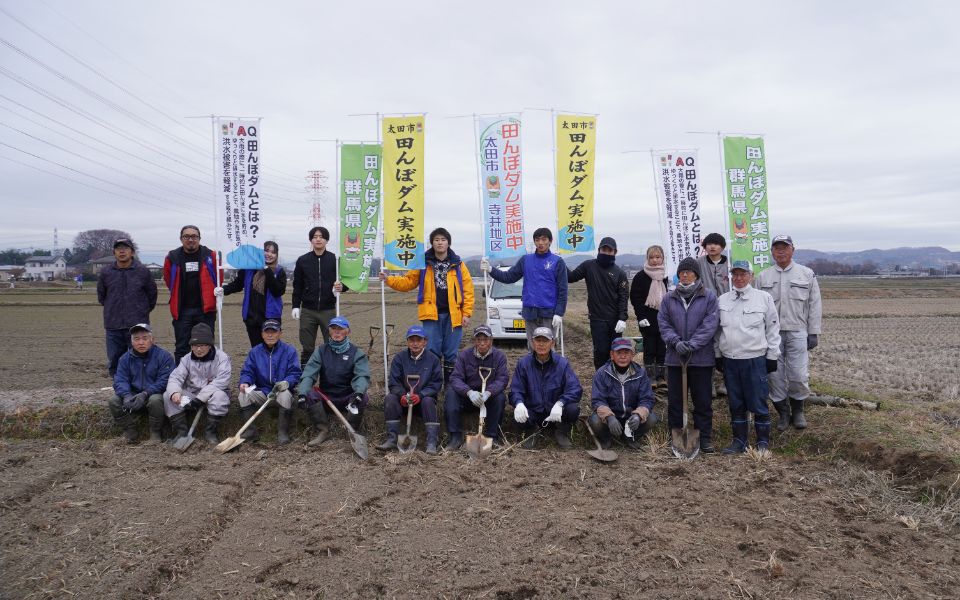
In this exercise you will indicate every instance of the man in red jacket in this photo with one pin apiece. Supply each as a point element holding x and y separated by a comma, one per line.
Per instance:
<point>190,273</point>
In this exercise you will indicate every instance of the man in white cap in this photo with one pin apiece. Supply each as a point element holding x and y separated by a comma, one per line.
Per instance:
<point>796,294</point>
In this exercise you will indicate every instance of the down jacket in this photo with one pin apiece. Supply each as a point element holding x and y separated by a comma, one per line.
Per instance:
<point>459,289</point>
<point>696,324</point>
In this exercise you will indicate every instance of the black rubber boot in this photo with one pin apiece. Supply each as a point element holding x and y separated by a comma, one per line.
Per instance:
<point>156,428</point>
<point>356,421</point>
<point>706,445</point>
<point>600,430</point>
<point>763,434</point>
<point>783,415</point>
<point>562,435</point>
<point>651,371</point>
<point>284,424</point>
<point>796,407</point>
<point>393,430</point>
<point>739,444</point>
<point>447,372</point>
<point>210,429</point>
<point>250,433</point>
<point>456,441</point>
<point>129,424</point>
<point>318,419</point>
<point>433,435</point>
<point>661,375</point>
<point>180,427</point>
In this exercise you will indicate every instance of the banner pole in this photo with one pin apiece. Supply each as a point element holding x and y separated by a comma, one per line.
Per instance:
<point>216,225</point>
<point>483,231</point>
<point>556,208</point>
<point>726,206</point>
<point>383,258</point>
<point>336,178</point>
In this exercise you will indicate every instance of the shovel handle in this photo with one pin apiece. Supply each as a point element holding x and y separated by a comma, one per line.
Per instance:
<point>339,415</point>
<point>196,419</point>
<point>255,415</point>
<point>594,436</point>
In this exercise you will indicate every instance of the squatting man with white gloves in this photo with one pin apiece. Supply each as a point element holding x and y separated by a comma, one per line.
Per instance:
<point>545,391</point>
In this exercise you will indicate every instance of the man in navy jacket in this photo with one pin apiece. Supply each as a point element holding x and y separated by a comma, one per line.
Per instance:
<point>267,364</point>
<point>466,389</point>
<point>141,379</point>
<point>545,390</point>
<point>622,398</point>
<point>128,293</point>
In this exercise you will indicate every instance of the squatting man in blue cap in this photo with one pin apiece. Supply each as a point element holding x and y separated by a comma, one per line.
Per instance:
<point>467,391</point>
<point>269,363</point>
<point>141,377</point>
<point>622,398</point>
<point>337,371</point>
<point>545,391</point>
<point>415,379</point>
<point>202,379</point>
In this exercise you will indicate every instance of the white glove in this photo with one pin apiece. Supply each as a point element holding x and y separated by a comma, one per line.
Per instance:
<point>484,396</point>
<point>475,397</point>
<point>643,323</point>
<point>485,265</point>
<point>295,313</point>
<point>218,292</point>
<point>557,322</point>
<point>184,400</point>
<point>555,413</point>
<point>520,414</point>
<point>621,326</point>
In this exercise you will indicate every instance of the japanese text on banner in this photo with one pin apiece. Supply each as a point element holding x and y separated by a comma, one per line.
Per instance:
<point>576,157</point>
<point>745,179</point>
<point>679,195</point>
<point>403,192</point>
<point>500,172</point>
<point>239,211</point>
<point>359,211</point>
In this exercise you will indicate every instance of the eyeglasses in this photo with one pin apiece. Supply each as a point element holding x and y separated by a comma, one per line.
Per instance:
<point>189,237</point>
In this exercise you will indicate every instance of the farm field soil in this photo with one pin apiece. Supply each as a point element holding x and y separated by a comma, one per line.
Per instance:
<point>94,518</point>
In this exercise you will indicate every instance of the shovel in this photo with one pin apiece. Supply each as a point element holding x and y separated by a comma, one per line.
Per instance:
<point>232,442</point>
<point>408,443</point>
<point>184,442</point>
<point>685,442</point>
<point>358,442</point>
<point>600,454</point>
<point>479,446</point>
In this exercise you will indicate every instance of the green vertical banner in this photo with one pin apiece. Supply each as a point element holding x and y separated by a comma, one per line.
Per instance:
<point>359,211</point>
<point>745,182</point>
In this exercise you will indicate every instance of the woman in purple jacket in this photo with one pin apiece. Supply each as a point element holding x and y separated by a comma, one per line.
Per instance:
<point>688,319</point>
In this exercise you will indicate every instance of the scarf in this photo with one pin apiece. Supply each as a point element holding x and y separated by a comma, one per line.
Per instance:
<point>687,291</point>
<point>657,289</point>
<point>339,347</point>
<point>606,260</point>
<point>259,282</point>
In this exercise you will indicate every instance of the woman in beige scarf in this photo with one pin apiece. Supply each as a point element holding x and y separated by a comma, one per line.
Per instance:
<point>646,292</point>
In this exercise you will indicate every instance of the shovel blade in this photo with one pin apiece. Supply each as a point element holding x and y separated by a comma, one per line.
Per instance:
<point>406,443</point>
<point>478,446</point>
<point>604,455</point>
<point>685,443</point>
<point>229,444</point>
<point>183,443</point>
<point>359,444</point>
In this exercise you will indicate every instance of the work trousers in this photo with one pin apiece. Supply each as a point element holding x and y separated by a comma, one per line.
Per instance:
<point>427,409</point>
<point>454,404</point>
<point>699,382</point>
<point>310,321</point>
<point>792,378</point>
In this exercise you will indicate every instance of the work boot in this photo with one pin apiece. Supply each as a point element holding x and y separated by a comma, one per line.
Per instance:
<point>318,418</point>
<point>393,430</point>
<point>706,445</point>
<point>661,375</point>
<point>600,430</point>
<point>129,424</point>
<point>456,440</point>
<point>763,434</point>
<point>562,435</point>
<point>156,428</point>
<point>284,423</point>
<point>529,443</point>
<point>799,421</point>
<point>447,372</point>
<point>739,444</point>
<point>250,433</point>
<point>210,429</point>
<point>783,415</point>
<point>433,433</point>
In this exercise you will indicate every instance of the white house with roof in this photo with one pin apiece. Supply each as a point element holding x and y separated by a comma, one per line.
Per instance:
<point>45,267</point>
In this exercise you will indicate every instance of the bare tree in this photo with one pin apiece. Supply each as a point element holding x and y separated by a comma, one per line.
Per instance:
<point>96,243</point>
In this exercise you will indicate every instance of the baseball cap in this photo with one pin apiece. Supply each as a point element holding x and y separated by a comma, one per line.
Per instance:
<point>743,265</point>
<point>621,344</point>
<point>782,239</point>
<point>340,322</point>
<point>123,242</point>
<point>416,331</point>
<point>270,324</point>
<point>608,242</point>
<point>544,332</point>
<point>482,330</point>
<point>140,327</point>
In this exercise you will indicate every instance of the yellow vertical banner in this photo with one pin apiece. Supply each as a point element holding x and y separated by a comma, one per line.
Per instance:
<point>403,192</point>
<point>576,137</point>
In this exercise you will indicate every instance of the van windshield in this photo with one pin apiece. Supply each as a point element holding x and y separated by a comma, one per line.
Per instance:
<point>499,290</point>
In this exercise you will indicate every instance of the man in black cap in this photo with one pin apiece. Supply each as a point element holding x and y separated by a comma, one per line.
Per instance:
<point>607,295</point>
<point>128,293</point>
<point>202,379</point>
<point>141,377</point>
<point>467,389</point>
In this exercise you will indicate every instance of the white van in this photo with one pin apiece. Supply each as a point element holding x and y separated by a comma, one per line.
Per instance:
<point>503,309</point>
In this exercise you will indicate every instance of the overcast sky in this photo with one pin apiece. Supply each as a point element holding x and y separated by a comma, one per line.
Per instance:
<point>857,103</point>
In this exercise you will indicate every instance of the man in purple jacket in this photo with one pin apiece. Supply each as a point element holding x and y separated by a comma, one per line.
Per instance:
<point>465,390</point>
<point>128,293</point>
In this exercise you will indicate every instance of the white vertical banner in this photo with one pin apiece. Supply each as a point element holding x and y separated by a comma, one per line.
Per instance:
<point>501,187</point>
<point>240,223</point>
<point>678,191</point>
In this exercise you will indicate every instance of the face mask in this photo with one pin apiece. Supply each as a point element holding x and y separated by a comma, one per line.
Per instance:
<point>605,260</point>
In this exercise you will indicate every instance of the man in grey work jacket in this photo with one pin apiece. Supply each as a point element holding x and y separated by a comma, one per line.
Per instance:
<point>796,293</point>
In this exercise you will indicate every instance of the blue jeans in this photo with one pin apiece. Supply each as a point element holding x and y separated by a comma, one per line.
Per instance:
<point>118,341</point>
<point>442,339</point>
<point>747,388</point>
